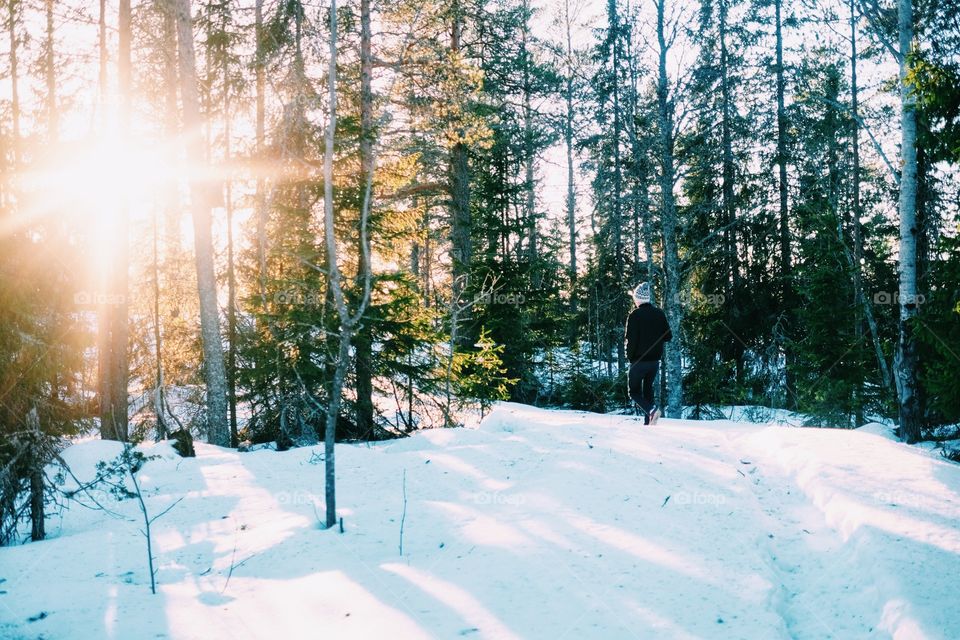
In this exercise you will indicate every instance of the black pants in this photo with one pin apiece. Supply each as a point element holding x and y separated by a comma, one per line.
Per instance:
<point>640,382</point>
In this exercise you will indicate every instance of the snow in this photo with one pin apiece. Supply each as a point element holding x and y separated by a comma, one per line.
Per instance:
<point>537,524</point>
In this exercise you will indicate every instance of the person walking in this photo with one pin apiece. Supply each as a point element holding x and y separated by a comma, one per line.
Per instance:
<point>646,331</point>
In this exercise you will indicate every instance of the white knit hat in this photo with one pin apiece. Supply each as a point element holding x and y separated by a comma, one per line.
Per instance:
<point>642,294</point>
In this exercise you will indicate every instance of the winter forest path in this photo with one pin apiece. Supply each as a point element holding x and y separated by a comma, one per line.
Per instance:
<point>538,524</point>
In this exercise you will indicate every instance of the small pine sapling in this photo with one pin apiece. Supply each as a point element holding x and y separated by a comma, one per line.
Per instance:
<point>114,475</point>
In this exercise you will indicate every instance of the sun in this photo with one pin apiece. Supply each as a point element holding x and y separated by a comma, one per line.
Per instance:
<point>94,186</point>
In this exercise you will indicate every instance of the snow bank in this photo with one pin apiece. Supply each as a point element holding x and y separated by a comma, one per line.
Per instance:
<point>536,524</point>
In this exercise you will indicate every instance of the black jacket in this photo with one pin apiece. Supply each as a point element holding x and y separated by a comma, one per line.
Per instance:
<point>647,330</point>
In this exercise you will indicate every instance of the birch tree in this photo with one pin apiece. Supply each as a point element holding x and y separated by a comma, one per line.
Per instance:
<point>907,356</point>
<point>906,360</point>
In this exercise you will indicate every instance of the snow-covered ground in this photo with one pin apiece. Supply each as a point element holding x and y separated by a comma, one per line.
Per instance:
<point>538,524</point>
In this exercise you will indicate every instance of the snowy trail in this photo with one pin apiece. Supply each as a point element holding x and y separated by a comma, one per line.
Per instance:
<point>539,524</point>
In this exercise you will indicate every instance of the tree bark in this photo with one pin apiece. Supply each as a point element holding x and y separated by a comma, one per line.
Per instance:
<point>53,114</point>
<point>530,203</point>
<point>907,355</point>
<point>104,59</point>
<point>864,309</point>
<point>113,366</point>
<point>13,6</point>
<point>729,208</point>
<point>104,321</point>
<point>617,222</point>
<point>261,196</point>
<point>363,345</point>
<point>461,226</point>
<point>336,385</point>
<point>36,461</point>
<point>231,366</point>
<point>571,189</point>
<point>671,259</point>
<point>785,250</point>
<point>201,200</point>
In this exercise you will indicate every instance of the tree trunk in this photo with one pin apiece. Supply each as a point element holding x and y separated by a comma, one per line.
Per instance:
<point>459,175</point>
<point>114,369</point>
<point>571,190</point>
<point>104,323</point>
<point>671,259</point>
<point>231,366</point>
<point>13,6</point>
<point>856,213</point>
<point>336,385</point>
<point>158,403</point>
<point>121,267</point>
<point>785,251</point>
<point>201,200</point>
<point>363,345</point>
<point>104,60</point>
<point>530,203</point>
<point>172,243</point>
<point>620,310</point>
<point>729,208</point>
<point>907,355</point>
<point>864,306</point>
<point>35,459</point>
<point>261,196</point>
<point>53,114</point>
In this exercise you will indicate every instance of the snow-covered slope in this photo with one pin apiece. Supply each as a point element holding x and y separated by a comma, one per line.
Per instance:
<point>539,524</point>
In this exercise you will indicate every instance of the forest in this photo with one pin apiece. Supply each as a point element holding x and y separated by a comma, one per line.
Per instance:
<point>301,221</point>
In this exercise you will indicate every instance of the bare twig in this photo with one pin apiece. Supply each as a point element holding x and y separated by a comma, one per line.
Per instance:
<point>403,517</point>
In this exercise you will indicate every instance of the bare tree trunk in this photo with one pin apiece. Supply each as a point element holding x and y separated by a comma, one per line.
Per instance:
<point>785,251</point>
<point>863,300</point>
<point>53,114</point>
<point>120,310</point>
<point>113,368</point>
<point>907,356</point>
<point>729,210</point>
<point>104,318</point>
<point>261,196</point>
<point>104,58</point>
<point>568,144</point>
<point>671,259</point>
<point>733,282</point>
<point>13,9</point>
<point>231,366</point>
<point>37,484</point>
<point>459,172</point>
<point>200,203</point>
<point>855,205</point>
<point>364,338</point>
<point>158,403</point>
<point>530,203</point>
<point>863,303</point>
<point>642,168</point>
<point>617,222</point>
<point>336,385</point>
<point>172,213</point>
